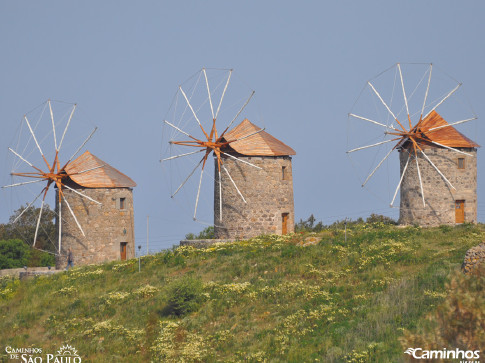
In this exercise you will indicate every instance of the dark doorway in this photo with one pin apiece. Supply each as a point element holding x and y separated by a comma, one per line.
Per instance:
<point>123,250</point>
<point>284,225</point>
<point>459,211</point>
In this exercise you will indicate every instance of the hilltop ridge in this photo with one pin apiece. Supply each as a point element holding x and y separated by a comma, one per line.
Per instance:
<point>300,297</point>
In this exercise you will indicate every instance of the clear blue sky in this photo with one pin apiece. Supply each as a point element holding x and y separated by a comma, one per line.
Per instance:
<point>122,61</point>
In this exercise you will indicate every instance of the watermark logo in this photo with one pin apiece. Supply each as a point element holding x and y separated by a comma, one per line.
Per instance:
<point>465,356</point>
<point>410,351</point>
<point>65,354</point>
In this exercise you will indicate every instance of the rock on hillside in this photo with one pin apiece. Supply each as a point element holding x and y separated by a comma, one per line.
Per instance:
<point>473,256</point>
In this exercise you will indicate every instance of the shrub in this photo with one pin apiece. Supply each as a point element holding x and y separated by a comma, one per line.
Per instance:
<point>14,253</point>
<point>206,233</point>
<point>309,225</point>
<point>47,259</point>
<point>378,218</point>
<point>184,296</point>
<point>459,322</point>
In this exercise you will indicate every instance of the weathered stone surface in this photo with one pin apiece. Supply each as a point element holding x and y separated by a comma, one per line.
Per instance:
<point>16,272</point>
<point>440,197</point>
<point>309,241</point>
<point>105,226</point>
<point>267,194</point>
<point>473,257</point>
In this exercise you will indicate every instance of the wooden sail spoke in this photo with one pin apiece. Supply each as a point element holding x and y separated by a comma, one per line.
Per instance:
<point>404,95</point>
<point>28,206</point>
<point>223,93</point>
<point>237,115</point>
<point>371,121</point>
<point>233,183</point>
<point>67,126</point>
<point>240,160</point>
<point>209,93</point>
<point>181,143</point>
<point>74,216</point>
<point>30,175</point>
<point>182,155</point>
<point>372,145</point>
<point>386,106</point>
<point>25,160</point>
<point>205,158</point>
<point>213,130</point>
<point>24,183</point>
<point>377,167</point>
<point>35,139</point>
<point>79,193</point>
<point>38,221</point>
<point>444,99</point>
<point>198,193</point>
<point>400,180</point>
<point>193,112</point>
<point>427,91</point>
<point>419,174</point>
<point>244,137</point>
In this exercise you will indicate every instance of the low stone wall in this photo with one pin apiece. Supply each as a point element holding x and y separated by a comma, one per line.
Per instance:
<point>26,274</point>
<point>203,243</point>
<point>31,271</point>
<point>473,257</point>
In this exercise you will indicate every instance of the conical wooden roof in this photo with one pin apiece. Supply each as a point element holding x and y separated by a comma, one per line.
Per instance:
<point>260,144</point>
<point>448,136</point>
<point>104,176</point>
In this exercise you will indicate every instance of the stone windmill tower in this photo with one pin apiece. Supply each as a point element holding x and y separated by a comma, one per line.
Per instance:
<point>446,203</point>
<point>438,165</point>
<point>263,200</point>
<point>105,210</point>
<point>246,202</point>
<point>94,201</point>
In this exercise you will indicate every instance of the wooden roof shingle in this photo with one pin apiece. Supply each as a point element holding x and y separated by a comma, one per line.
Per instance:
<point>448,136</point>
<point>91,172</point>
<point>260,144</point>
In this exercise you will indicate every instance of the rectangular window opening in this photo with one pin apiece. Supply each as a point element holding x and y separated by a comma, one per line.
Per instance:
<point>461,163</point>
<point>283,172</point>
<point>122,203</point>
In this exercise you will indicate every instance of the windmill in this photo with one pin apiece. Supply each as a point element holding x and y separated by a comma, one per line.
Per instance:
<point>37,158</point>
<point>437,162</point>
<point>46,160</point>
<point>192,132</point>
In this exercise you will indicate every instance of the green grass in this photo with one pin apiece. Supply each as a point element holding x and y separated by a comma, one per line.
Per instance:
<point>266,299</point>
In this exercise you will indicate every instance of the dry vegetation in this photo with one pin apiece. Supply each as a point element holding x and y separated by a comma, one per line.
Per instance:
<point>265,299</point>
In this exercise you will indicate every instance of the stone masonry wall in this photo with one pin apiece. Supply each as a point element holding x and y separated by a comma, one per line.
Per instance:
<point>268,196</point>
<point>439,196</point>
<point>473,257</point>
<point>105,226</point>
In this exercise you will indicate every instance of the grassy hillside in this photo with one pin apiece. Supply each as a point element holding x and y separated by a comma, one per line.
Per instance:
<point>271,298</point>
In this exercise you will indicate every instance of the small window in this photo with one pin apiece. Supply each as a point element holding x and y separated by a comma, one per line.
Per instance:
<point>461,163</point>
<point>122,203</point>
<point>283,172</point>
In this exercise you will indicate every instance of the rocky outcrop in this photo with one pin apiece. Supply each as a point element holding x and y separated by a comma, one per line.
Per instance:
<point>473,257</point>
